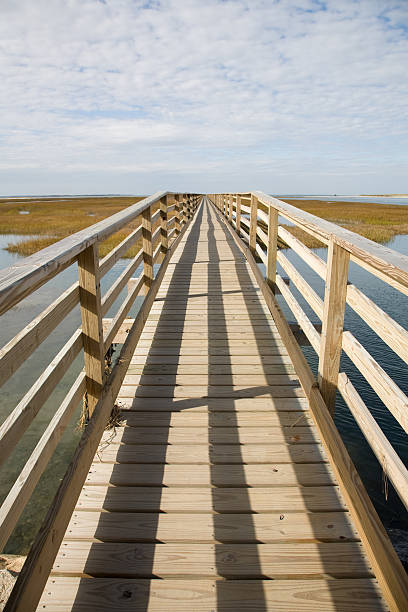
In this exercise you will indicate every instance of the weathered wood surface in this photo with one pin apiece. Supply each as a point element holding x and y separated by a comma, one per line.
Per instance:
<point>217,470</point>
<point>388,568</point>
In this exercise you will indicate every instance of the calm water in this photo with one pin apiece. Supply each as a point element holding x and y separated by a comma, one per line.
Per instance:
<point>391,510</point>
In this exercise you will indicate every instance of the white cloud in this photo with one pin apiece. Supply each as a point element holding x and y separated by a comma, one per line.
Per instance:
<point>216,93</point>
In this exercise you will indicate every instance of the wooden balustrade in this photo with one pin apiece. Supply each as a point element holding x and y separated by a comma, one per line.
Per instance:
<point>94,384</point>
<point>343,246</point>
<point>392,268</point>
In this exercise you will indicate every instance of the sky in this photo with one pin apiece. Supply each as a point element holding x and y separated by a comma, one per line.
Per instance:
<point>135,96</point>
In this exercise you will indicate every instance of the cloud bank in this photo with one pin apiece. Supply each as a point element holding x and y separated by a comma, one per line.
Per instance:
<point>130,96</point>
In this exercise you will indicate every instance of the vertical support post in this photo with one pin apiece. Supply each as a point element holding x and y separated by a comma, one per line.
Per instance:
<point>238,217</point>
<point>164,202</point>
<point>147,248</point>
<point>272,247</point>
<point>231,207</point>
<point>253,222</point>
<point>177,210</point>
<point>92,327</point>
<point>333,321</point>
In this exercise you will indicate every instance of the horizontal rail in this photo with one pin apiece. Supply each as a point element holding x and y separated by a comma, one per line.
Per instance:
<point>387,567</point>
<point>343,245</point>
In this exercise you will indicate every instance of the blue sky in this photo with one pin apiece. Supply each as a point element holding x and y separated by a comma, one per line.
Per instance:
<point>129,96</point>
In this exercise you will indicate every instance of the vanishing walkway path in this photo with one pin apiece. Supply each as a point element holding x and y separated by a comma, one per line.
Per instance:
<point>214,493</point>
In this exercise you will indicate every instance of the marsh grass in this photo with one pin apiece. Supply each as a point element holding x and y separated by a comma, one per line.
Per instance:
<point>52,220</point>
<point>378,222</point>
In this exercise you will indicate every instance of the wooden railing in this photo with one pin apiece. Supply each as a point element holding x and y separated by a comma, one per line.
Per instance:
<point>253,219</point>
<point>160,232</point>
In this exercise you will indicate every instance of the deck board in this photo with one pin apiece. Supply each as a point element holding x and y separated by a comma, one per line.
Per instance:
<point>216,473</point>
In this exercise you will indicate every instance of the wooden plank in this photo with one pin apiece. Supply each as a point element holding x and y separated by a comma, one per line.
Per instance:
<point>178,214</point>
<point>204,527</point>
<point>216,404</point>
<point>147,248</point>
<point>164,224</point>
<point>305,289</point>
<point>204,391</point>
<point>314,261</point>
<point>300,315</point>
<point>92,327</point>
<point>333,321</point>
<point>390,462</point>
<point>214,435</point>
<point>238,214</point>
<point>209,368</point>
<point>15,352</point>
<point>205,499</point>
<point>185,418</point>
<point>115,254</point>
<point>18,496</point>
<point>17,422</point>
<point>193,348</point>
<point>253,223</point>
<point>123,310</point>
<point>193,475</point>
<point>114,290</point>
<point>391,332</point>
<point>354,595</point>
<point>200,453</point>
<point>213,379</point>
<point>386,389</point>
<point>337,560</point>
<point>272,243</point>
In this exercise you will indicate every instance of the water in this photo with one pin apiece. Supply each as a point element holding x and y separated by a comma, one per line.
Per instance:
<point>395,304</point>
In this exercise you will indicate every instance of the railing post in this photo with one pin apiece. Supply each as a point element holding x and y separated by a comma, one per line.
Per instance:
<point>147,248</point>
<point>272,250</point>
<point>164,202</point>
<point>253,222</point>
<point>333,321</point>
<point>238,217</point>
<point>231,207</point>
<point>177,214</point>
<point>92,327</point>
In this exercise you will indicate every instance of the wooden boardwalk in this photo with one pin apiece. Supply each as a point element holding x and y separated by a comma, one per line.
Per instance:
<point>215,493</point>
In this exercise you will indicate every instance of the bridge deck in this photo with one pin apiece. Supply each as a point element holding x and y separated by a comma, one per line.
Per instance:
<point>215,493</point>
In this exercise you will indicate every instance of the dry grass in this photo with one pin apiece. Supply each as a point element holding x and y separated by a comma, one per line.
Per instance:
<point>378,222</point>
<point>52,220</point>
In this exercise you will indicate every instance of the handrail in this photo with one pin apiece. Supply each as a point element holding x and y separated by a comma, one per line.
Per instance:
<point>95,384</point>
<point>26,275</point>
<point>343,245</point>
<point>382,262</point>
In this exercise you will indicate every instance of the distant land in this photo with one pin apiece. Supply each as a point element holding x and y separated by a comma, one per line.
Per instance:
<point>384,195</point>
